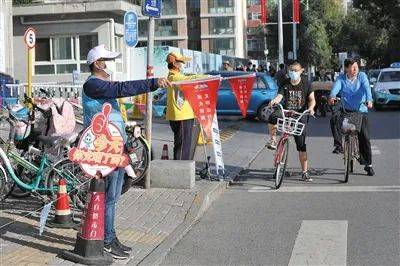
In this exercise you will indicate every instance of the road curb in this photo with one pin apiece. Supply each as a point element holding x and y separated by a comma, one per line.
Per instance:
<point>200,204</point>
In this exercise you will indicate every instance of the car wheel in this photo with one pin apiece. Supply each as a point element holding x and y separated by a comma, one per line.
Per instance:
<point>263,112</point>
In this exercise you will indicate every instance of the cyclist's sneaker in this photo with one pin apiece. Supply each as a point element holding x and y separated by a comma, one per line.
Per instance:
<point>337,149</point>
<point>369,170</point>
<point>306,177</point>
<point>115,251</point>
<point>122,246</point>
<point>271,144</point>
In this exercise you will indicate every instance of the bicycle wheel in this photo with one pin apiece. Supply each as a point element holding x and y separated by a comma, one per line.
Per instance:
<point>25,176</point>
<point>5,183</point>
<point>76,180</point>
<point>347,158</point>
<point>281,157</point>
<point>139,159</point>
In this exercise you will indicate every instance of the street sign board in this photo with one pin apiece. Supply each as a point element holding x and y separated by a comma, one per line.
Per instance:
<point>151,8</point>
<point>131,28</point>
<point>30,37</point>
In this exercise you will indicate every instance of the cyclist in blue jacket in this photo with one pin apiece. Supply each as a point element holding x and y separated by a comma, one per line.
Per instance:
<point>356,96</point>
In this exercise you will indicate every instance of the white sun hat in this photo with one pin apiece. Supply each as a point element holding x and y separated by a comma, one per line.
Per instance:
<point>101,52</point>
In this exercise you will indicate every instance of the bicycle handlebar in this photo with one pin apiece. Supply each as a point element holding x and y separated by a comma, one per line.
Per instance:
<point>283,111</point>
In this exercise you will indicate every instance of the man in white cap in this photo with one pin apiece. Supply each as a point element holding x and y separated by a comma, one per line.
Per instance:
<point>98,90</point>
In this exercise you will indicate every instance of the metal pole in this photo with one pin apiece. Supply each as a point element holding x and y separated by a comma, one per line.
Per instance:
<point>280,32</point>
<point>294,41</point>
<point>149,102</point>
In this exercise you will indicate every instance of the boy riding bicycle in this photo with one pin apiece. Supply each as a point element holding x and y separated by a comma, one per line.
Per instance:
<point>298,96</point>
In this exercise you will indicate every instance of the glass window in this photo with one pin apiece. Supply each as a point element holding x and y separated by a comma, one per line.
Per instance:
<point>86,42</point>
<point>222,46</point>
<point>220,6</point>
<point>143,26</point>
<point>42,49</point>
<point>85,68</point>
<point>166,27</point>
<point>166,43</point>
<point>224,25</point>
<point>66,68</point>
<point>44,69</point>
<point>168,7</point>
<point>62,48</point>
<point>389,76</point>
<point>260,84</point>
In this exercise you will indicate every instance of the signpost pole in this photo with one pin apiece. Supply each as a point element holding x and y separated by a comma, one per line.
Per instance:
<point>149,102</point>
<point>29,78</point>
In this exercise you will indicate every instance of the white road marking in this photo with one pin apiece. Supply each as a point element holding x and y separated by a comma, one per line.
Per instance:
<point>320,242</point>
<point>327,189</point>
<point>375,150</point>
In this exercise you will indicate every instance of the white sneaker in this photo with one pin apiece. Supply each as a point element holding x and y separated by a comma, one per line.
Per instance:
<point>271,144</point>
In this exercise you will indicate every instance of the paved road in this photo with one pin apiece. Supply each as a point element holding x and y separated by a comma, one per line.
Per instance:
<point>326,222</point>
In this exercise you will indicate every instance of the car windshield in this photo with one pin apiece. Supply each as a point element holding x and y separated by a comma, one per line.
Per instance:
<point>389,76</point>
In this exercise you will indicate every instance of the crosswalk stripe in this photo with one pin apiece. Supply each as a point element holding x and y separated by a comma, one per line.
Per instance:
<point>320,242</point>
<point>326,189</point>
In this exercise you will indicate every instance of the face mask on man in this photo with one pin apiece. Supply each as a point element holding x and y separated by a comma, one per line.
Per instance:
<point>294,75</point>
<point>107,68</point>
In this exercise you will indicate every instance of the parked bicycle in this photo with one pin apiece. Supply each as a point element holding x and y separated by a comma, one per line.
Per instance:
<point>288,125</point>
<point>14,167</point>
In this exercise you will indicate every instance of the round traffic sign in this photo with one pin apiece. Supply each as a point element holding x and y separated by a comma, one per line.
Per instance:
<point>30,37</point>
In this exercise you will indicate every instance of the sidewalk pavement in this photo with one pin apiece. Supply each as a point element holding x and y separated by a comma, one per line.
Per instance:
<point>152,221</point>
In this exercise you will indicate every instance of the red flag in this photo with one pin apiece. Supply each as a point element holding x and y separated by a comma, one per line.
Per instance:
<point>242,87</point>
<point>263,11</point>
<point>296,11</point>
<point>202,97</point>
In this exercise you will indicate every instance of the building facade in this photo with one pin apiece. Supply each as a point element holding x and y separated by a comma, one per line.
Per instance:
<point>223,27</point>
<point>6,33</point>
<point>256,36</point>
<point>67,29</point>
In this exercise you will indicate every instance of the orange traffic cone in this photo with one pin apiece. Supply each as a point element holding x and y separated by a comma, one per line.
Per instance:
<point>164,155</point>
<point>89,245</point>
<point>63,217</point>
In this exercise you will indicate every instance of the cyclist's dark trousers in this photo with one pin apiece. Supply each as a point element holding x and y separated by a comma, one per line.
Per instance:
<point>364,142</point>
<point>336,131</point>
<point>183,132</point>
<point>300,140</point>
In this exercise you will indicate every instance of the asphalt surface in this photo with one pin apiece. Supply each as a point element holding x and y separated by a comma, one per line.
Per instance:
<point>319,223</point>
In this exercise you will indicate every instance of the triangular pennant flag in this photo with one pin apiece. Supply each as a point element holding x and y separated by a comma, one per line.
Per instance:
<point>202,97</point>
<point>242,87</point>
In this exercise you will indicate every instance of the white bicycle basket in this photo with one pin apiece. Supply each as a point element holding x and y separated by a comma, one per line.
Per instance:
<point>290,126</point>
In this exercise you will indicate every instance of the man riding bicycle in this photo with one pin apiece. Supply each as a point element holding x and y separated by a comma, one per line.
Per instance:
<point>298,97</point>
<point>355,90</point>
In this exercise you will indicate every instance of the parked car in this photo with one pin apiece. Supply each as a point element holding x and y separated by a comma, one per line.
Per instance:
<point>264,90</point>
<point>387,88</point>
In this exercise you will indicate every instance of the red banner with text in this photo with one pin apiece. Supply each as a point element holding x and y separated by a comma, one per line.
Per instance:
<point>264,11</point>
<point>296,11</point>
<point>202,97</point>
<point>242,87</point>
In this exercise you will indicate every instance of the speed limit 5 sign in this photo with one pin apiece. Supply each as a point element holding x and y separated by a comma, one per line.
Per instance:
<point>30,37</point>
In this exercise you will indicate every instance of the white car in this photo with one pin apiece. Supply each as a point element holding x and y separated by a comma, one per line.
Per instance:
<point>387,88</point>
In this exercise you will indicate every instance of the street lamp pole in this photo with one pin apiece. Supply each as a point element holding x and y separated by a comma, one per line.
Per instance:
<point>280,32</point>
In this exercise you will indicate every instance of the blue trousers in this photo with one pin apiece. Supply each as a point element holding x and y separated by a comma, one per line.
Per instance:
<point>113,182</point>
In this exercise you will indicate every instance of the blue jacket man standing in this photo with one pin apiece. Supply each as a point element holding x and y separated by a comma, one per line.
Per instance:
<point>356,96</point>
<point>98,90</point>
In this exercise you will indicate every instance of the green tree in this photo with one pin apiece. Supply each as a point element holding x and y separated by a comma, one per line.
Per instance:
<point>383,15</point>
<point>315,48</point>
